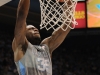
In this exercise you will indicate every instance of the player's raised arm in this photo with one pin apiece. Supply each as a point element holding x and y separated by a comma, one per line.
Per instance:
<point>20,27</point>
<point>56,38</point>
<point>58,35</point>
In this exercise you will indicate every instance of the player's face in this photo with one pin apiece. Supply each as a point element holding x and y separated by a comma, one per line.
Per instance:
<point>32,32</point>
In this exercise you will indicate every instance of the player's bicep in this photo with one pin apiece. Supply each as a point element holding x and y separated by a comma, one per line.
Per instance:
<point>14,45</point>
<point>52,42</point>
<point>20,31</point>
<point>46,41</point>
<point>56,39</point>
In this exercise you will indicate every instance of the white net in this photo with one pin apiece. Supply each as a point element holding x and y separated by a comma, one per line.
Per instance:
<point>55,13</point>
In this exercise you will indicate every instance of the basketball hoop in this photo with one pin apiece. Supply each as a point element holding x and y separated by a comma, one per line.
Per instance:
<point>53,14</point>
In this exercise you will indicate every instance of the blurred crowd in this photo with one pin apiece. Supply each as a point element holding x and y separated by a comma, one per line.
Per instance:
<point>77,55</point>
<point>80,56</point>
<point>7,65</point>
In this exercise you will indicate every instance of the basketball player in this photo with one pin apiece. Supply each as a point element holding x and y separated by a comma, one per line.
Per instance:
<point>31,56</point>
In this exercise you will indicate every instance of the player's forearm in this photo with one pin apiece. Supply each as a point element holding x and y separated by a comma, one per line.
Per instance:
<point>22,12</point>
<point>23,8</point>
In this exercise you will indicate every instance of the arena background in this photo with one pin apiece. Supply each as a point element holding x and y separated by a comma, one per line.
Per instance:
<point>79,54</point>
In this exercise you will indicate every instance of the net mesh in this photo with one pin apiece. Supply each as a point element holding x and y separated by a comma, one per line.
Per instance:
<point>55,13</point>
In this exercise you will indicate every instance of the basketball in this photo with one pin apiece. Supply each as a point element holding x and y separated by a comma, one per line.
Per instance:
<point>61,0</point>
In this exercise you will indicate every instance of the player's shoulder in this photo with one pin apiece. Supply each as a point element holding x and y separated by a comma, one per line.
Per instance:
<point>13,44</point>
<point>16,46</point>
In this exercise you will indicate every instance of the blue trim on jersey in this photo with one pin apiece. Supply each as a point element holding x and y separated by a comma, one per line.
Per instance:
<point>22,68</point>
<point>98,6</point>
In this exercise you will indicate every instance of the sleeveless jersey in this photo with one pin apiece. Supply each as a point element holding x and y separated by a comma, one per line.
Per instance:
<point>36,61</point>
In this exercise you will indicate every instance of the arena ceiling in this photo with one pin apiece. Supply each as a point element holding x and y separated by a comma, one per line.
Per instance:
<point>8,13</point>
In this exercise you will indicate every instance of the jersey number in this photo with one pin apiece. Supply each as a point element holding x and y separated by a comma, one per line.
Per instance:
<point>43,64</point>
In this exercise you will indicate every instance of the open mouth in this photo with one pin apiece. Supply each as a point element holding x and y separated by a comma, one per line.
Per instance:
<point>36,32</point>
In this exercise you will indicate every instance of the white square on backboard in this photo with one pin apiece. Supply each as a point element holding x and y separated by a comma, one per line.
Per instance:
<point>2,2</point>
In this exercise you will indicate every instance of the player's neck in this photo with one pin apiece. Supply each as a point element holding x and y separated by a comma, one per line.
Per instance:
<point>35,41</point>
